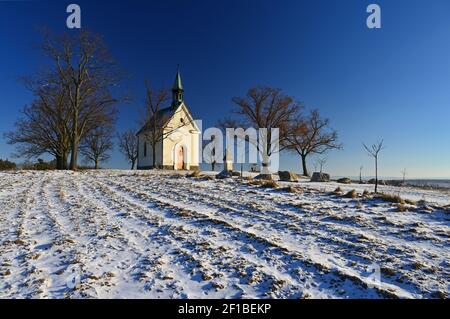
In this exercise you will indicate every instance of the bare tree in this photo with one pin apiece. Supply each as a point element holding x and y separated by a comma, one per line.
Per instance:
<point>86,71</point>
<point>96,145</point>
<point>264,108</point>
<point>45,124</point>
<point>311,135</point>
<point>156,126</point>
<point>128,146</point>
<point>373,151</point>
<point>360,174</point>
<point>404,176</point>
<point>321,163</point>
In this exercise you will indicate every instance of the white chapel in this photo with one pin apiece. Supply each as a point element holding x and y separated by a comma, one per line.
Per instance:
<point>178,148</point>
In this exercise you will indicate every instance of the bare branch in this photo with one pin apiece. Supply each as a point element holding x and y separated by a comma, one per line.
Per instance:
<point>311,135</point>
<point>128,146</point>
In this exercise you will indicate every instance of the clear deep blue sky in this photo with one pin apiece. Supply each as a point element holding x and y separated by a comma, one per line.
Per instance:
<point>391,83</point>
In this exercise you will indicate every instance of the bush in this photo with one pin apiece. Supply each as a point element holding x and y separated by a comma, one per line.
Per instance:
<point>337,191</point>
<point>42,165</point>
<point>7,165</point>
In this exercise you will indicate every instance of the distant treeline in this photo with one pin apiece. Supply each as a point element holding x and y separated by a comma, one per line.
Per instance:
<point>40,165</point>
<point>7,165</point>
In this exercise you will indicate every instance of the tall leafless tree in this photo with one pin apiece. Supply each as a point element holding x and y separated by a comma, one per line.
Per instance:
<point>86,71</point>
<point>45,124</point>
<point>97,144</point>
<point>155,119</point>
<point>264,108</point>
<point>374,151</point>
<point>311,135</point>
<point>128,146</point>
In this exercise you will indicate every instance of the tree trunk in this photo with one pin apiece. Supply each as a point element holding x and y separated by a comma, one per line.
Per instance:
<point>58,162</point>
<point>64,160</point>
<point>265,164</point>
<point>74,156</point>
<point>376,175</point>
<point>153,155</point>
<point>305,170</point>
<point>96,163</point>
<point>74,142</point>
<point>213,165</point>
<point>132,164</point>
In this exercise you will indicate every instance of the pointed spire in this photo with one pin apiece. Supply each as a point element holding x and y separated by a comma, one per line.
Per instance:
<point>177,89</point>
<point>177,85</point>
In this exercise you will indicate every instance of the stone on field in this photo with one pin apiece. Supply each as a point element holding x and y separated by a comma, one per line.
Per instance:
<point>344,180</point>
<point>286,176</point>
<point>320,177</point>
<point>224,174</point>
<point>267,177</point>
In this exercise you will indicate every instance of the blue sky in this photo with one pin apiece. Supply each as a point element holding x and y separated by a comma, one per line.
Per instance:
<point>391,83</point>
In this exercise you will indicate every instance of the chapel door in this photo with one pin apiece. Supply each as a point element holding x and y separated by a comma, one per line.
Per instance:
<point>180,158</point>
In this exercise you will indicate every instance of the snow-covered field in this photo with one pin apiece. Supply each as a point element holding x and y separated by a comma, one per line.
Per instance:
<point>124,234</point>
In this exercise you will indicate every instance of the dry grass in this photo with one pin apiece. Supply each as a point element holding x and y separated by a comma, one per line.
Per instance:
<point>270,184</point>
<point>389,272</point>
<point>351,194</point>
<point>337,191</point>
<point>255,182</point>
<point>392,198</point>
<point>397,199</point>
<point>263,183</point>
<point>205,177</point>
<point>290,189</point>
<point>410,202</point>
<point>193,174</point>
